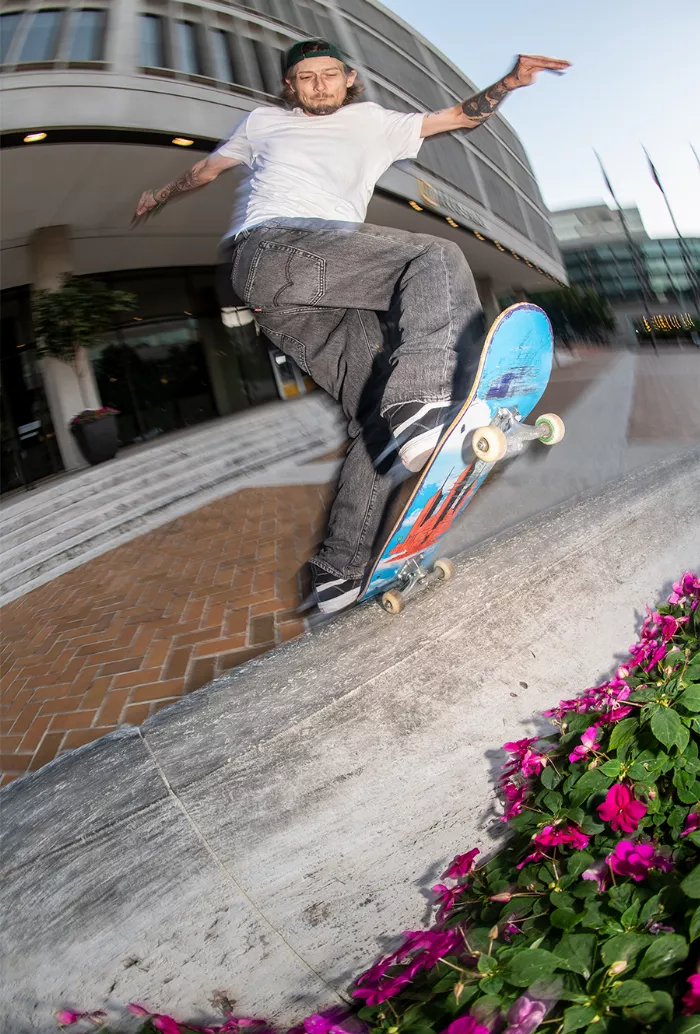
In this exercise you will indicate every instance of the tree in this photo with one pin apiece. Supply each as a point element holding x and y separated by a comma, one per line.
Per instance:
<point>577,312</point>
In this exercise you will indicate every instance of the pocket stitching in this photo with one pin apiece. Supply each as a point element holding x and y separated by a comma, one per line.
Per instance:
<point>273,245</point>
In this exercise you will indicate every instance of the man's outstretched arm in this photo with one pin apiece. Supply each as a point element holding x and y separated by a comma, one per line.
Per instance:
<point>201,173</point>
<point>474,111</point>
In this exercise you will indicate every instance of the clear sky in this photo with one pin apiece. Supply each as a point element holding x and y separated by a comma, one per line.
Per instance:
<point>635,78</point>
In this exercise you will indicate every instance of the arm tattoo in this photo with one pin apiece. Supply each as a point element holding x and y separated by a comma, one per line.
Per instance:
<point>482,105</point>
<point>188,181</point>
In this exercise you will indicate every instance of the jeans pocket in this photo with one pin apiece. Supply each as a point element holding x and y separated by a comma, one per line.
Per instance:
<point>281,274</point>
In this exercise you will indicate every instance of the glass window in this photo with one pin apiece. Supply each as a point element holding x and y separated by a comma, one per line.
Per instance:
<point>188,49</point>
<point>221,55</point>
<point>42,38</point>
<point>8,27</point>
<point>87,42</point>
<point>152,41</point>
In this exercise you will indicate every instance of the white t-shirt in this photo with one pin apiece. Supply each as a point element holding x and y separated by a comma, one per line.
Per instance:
<point>317,166</point>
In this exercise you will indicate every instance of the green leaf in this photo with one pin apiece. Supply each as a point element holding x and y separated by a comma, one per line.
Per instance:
<point>577,951</point>
<point>630,992</point>
<point>620,897</point>
<point>553,801</point>
<point>625,946</point>
<point>691,698</point>
<point>579,862</point>
<point>550,778</point>
<point>664,956</point>
<point>564,918</point>
<point>624,730</point>
<point>686,1025</point>
<point>694,931</point>
<point>659,1008</point>
<point>590,782</point>
<point>528,966</point>
<point>611,768</point>
<point>651,909</point>
<point>691,884</point>
<point>491,985</point>
<point>667,727</point>
<point>486,964</point>
<point>593,918</point>
<point>577,1017</point>
<point>690,793</point>
<point>630,915</point>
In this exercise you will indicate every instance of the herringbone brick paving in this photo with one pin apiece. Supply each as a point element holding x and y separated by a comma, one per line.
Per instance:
<point>131,631</point>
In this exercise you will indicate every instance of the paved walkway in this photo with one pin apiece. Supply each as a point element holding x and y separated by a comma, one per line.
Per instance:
<point>136,628</point>
<point>131,631</point>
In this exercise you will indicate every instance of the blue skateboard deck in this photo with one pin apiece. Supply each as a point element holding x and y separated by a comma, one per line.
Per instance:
<point>513,372</point>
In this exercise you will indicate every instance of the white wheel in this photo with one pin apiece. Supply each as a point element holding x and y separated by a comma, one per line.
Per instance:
<point>551,427</point>
<point>393,602</point>
<point>445,569</point>
<point>489,444</point>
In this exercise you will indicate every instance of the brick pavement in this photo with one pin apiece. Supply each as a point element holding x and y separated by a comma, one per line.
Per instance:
<point>133,630</point>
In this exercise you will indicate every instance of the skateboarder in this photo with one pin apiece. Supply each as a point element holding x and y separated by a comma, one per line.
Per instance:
<point>300,255</point>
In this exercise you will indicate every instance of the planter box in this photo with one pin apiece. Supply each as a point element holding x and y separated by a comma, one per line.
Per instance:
<point>98,441</point>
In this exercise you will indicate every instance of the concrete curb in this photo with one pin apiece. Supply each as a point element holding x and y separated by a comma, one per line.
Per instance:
<point>263,835</point>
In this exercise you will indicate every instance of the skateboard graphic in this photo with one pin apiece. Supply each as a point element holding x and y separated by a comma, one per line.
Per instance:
<point>513,371</point>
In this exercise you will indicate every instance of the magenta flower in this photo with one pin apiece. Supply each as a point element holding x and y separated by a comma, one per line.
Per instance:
<point>635,860</point>
<point>691,999</point>
<point>692,823</point>
<point>166,1024</point>
<point>556,836</point>
<point>524,759</point>
<point>138,1010</point>
<point>621,809</point>
<point>461,865</point>
<point>686,589</point>
<point>466,1025</point>
<point>515,795</point>
<point>616,712</point>
<point>525,1015</point>
<point>447,896</point>
<point>335,1020</point>
<point>589,742</point>
<point>67,1017</point>
<point>511,929</point>
<point>600,873</point>
<point>377,995</point>
<point>424,948</point>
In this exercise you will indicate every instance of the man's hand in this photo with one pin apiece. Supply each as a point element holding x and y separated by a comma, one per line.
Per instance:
<point>528,66</point>
<point>201,173</point>
<point>146,207</point>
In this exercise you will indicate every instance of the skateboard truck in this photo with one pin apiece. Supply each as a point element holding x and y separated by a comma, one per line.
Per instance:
<point>414,576</point>
<point>506,435</point>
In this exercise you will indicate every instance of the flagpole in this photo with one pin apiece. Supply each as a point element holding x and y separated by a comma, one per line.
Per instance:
<point>689,271</point>
<point>634,251</point>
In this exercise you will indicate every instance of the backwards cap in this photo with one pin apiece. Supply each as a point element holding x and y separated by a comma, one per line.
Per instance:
<point>321,48</point>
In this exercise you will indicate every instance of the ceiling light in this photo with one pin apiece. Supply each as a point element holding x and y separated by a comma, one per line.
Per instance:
<point>452,222</point>
<point>34,138</point>
<point>415,205</point>
<point>182,141</point>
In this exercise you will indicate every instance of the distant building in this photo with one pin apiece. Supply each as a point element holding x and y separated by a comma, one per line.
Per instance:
<point>597,254</point>
<point>103,101</point>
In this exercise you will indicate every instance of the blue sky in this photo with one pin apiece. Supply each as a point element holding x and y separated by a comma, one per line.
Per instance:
<point>634,79</point>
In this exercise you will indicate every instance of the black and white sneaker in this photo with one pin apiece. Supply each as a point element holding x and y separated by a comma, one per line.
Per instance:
<point>417,428</point>
<point>332,593</point>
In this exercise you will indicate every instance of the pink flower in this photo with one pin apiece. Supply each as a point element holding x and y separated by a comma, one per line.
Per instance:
<point>67,1017</point>
<point>556,836</point>
<point>511,929</point>
<point>422,949</point>
<point>635,860</point>
<point>589,742</point>
<point>524,759</point>
<point>685,589</point>
<point>515,795</point>
<point>615,714</point>
<point>447,896</point>
<point>335,1020</point>
<point>621,810</point>
<point>692,823</point>
<point>466,1025</point>
<point>138,1010</point>
<point>525,1015</point>
<point>598,872</point>
<point>166,1024</point>
<point>691,999</point>
<point>461,865</point>
<point>377,995</point>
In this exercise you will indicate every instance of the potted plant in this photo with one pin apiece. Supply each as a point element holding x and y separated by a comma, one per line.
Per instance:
<point>67,322</point>
<point>95,431</point>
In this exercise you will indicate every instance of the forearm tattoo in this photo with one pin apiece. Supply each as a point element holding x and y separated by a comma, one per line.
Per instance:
<point>188,181</point>
<point>482,105</point>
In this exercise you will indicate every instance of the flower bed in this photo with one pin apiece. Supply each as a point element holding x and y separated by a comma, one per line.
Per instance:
<point>90,416</point>
<point>588,920</point>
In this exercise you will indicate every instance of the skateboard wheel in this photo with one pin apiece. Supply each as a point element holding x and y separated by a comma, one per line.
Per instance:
<point>393,602</point>
<point>551,428</point>
<point>489,444</point>
<point>444,569</point>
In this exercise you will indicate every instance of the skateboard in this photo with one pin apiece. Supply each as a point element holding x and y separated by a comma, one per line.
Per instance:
<point>513,371</point>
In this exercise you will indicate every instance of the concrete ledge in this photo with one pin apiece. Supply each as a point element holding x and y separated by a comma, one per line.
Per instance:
<point>263,835</point>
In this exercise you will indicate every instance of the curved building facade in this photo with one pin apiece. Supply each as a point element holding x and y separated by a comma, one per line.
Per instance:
<point>102,101</point>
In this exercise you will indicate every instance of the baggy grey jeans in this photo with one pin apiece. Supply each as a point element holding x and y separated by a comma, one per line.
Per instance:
<point>316,289</point>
